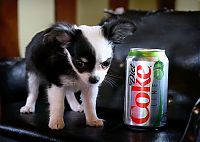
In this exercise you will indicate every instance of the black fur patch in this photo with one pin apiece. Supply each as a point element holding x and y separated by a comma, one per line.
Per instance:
<point>81,48</point>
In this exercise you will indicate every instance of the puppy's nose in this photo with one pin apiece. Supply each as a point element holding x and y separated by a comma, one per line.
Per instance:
<point>94,79</point>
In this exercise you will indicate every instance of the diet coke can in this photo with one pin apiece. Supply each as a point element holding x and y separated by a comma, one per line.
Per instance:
<point>145,102</point>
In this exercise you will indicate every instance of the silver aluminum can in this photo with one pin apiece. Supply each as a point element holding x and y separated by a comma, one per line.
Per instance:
<point>145,102</point>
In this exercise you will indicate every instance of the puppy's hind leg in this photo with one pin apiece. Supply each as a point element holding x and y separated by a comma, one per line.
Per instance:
<point>33,86</point>
<point>73,103</point>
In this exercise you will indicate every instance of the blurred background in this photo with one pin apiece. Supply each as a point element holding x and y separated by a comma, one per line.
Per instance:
<point>20,20</point>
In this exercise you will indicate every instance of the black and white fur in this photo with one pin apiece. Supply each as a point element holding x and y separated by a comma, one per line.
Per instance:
<point>67,59</point>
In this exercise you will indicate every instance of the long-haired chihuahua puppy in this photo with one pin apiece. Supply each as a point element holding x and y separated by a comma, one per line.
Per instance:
<point>68,59</point>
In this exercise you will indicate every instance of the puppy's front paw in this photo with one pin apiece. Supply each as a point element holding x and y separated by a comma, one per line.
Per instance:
<point>96,123</point>
<point>56,124</point>
<point>27,109</point>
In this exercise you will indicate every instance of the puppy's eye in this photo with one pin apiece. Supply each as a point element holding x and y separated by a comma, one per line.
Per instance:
<point>79,64</point>
<point>105,64</point>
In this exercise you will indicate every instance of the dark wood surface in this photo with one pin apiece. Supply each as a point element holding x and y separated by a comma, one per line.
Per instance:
<point>65,10</point>
<point>113,4</point>
<point>8,29</point>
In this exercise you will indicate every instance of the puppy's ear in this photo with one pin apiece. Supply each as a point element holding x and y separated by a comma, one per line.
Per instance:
<point>116,30</point>
<point>58,33</point>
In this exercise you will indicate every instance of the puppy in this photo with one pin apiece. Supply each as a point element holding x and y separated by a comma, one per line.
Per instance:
<point>68,59</point>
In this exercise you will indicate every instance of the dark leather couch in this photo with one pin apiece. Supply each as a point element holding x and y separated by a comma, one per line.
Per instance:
<point>176,32</point>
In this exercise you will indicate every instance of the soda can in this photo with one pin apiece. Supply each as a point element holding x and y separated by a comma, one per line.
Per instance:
<point>145,102</point>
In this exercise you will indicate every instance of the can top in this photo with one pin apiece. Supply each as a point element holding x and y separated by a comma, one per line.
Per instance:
<point>146,52</point>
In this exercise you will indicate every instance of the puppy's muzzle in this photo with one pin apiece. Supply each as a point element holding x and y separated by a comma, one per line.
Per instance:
<point>94,79</point>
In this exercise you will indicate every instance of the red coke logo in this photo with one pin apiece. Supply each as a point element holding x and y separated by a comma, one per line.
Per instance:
<point>140,113</point>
